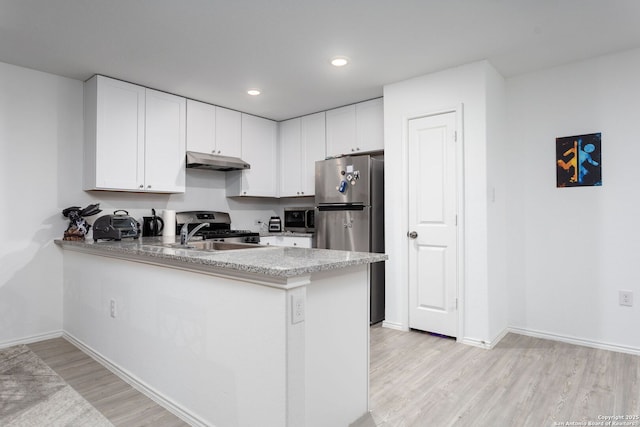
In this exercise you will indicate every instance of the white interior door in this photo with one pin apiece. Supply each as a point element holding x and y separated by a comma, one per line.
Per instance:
<point>433,264</point>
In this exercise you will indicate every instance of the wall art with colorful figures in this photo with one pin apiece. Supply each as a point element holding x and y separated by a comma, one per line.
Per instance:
<point>579,160</point>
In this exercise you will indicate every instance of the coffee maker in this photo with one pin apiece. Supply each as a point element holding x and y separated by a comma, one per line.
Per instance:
<point>275,224</point>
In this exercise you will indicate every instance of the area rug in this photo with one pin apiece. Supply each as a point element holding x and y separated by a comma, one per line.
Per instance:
<point>32,394</point>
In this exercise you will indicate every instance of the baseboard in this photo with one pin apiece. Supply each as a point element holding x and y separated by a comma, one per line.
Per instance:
<point>138,384</point>
<point>476,343</point>
<point>32,339</point>
<point>396,326</point>
<point>488,345</point>
<point>576,341</point>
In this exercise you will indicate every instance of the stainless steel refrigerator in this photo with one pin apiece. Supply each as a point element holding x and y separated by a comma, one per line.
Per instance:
<point>350,213</point>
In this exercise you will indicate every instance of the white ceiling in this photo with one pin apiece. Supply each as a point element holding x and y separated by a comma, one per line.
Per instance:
<point>214,50</point>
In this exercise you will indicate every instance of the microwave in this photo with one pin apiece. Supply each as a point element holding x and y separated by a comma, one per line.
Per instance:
<point>299,220</point>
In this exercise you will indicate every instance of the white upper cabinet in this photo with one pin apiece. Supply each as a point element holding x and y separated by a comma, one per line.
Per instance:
<point>313,149</point>
<point>113,154</point>
<point>341,130</point>
<point>165,123</point>
<point>290,156</point>
<point>259,148</point>
<point>201,127</point>
<point>370,125</point>
<point>302,143</point>
<point>134,138</point>
<point>212,129</point>
<point>228,132</point>
<point>356,128</point>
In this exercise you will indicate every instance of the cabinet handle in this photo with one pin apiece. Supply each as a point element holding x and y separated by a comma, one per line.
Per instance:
<point>219,151</point>
<point>149,186</point>
<point>412,234</point>
<point>357,148</point>
<point>141,186</point>
<point>302,192</point>
<point>295,244</point>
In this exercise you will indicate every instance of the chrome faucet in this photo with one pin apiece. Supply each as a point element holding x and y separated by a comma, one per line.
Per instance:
<point>185,236</point>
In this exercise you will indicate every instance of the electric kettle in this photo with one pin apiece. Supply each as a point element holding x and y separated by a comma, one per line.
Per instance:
<point>152,225</point>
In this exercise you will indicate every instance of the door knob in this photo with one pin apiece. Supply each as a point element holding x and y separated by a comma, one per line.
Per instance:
<point>412,234</point>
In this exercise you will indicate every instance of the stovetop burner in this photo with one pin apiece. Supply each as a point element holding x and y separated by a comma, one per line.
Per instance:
<point>219,226</point>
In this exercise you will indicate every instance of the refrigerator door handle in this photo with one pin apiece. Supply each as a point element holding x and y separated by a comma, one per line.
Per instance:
<point>341,207</point>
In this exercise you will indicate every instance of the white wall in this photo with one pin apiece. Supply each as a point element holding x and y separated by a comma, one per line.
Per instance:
<point>41,139</point>
<point>574,248</point>
<point>497,205</point>
<point>40,116</point>
<point>468,86</point>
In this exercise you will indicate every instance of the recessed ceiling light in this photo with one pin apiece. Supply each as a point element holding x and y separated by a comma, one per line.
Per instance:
<point>254,92</point>
<point>339,61</point>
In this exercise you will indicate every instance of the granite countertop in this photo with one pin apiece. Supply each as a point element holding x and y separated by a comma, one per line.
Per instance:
<point>262,260</point>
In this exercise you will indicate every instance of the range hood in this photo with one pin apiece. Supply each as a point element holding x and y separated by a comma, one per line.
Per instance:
<point>215,162</point>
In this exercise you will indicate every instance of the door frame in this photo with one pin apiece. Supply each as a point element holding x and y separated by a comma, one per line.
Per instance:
<point>460,250</point>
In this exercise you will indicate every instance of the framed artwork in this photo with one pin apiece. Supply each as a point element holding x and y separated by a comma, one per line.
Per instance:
<point>579,160</point>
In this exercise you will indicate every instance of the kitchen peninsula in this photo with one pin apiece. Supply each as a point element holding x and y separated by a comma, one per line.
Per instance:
<point>268,336</point>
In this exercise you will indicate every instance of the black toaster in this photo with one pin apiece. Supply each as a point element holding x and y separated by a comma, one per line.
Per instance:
<point>115,227</point>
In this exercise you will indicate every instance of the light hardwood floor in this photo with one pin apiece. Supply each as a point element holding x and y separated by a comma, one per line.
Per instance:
<point>115,399</point>
<point>421,380</point>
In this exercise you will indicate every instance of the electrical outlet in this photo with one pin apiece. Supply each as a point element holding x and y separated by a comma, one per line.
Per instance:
<point>112,308</point>
<point>626,298</point>
<point>297,308</point>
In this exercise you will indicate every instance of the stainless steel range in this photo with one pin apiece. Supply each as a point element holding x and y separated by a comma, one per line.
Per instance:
<point>219,228</point>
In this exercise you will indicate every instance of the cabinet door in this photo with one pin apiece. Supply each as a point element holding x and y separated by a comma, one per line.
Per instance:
<point>259,148</point>
<point>290,155</point>
<point>269,240</point>
<point>341,130</point>
<point>201,127</point>
<point>165,142</point>
<point>370,125</point>
<point>116,148</point>
<point>297,241</point>
<point>287,241</point>
<point>228,132</point>
<point>313,148</point>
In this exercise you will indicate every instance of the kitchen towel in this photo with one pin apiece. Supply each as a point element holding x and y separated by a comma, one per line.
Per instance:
<point>169,230</point>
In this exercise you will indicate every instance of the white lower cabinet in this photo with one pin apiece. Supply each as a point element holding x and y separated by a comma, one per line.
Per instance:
<point>289,241</point>
<point>134,138</point>
<point>259,149</point>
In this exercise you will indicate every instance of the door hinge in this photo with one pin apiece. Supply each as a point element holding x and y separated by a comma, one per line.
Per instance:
<point>455,136</point>
<point>456,303</point>
<point>456,220</point>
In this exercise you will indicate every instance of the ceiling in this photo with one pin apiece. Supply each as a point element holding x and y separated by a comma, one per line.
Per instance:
<point>214,50</point>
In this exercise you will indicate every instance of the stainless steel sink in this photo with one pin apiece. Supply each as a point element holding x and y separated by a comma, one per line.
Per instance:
<point>211,245</point>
